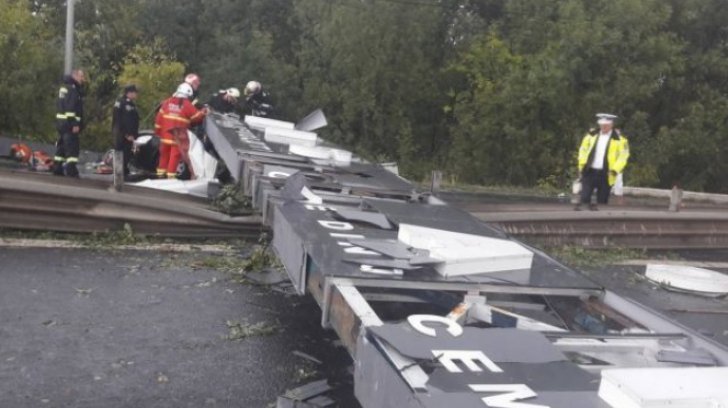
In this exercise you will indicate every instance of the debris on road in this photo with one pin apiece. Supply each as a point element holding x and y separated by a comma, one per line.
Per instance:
<point>689,279</point>
<point>306,356</point>
<point>307,396</point>
<point>242,330</point>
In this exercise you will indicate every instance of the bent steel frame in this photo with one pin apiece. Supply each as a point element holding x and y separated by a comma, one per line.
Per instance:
<point>538,337</point>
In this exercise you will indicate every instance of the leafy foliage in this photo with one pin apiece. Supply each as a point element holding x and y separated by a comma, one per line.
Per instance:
<point>493,91</point>
<point>154,72</point>
<point>30,68</point>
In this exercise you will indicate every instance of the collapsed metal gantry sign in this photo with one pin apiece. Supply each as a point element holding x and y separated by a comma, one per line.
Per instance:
<point>436,308</point>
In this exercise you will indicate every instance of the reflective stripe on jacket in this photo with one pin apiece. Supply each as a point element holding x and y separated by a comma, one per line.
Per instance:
<point>176,113</point>
<point>617,153</point>
<point>69,106</point>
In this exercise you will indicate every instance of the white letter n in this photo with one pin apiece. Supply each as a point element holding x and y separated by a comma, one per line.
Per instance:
<point>509,393</point>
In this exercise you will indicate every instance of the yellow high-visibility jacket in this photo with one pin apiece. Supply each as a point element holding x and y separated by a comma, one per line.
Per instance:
<point>617,153</point>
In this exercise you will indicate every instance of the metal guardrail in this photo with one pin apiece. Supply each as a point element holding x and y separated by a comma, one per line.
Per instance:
<point>686,195</point>
<point>42,202</point>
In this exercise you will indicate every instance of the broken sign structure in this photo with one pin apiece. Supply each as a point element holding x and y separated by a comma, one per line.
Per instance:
<point>440,310</point>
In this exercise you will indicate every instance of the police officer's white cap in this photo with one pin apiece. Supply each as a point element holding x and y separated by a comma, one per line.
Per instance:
<point>605,118</point>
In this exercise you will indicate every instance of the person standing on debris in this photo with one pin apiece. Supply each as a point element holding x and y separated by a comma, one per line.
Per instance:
<point>225,101</point>
<point>69,123</point>
<point>603,156</point>
<point>256,100</point>
<point>176,116</point>
<point>125,124</point>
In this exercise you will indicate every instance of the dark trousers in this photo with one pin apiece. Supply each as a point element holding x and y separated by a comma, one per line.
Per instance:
<point>121,144</point>
<point>67,149</point>
<point>595,180</point>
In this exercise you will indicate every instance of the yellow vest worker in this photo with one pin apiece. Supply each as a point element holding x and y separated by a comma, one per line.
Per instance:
<point>602,156</point>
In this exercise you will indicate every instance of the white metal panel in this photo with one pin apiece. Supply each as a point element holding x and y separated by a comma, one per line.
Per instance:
<point>690,387</point>
<point>289,136</point>
<point>256,122</point>
<point>466,254</point>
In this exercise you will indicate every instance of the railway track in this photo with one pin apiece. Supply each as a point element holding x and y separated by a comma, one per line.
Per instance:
<point>643,223</point>
<point>635,229</point>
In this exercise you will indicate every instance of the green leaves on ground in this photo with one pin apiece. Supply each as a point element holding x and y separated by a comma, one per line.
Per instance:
<point>241,330</point>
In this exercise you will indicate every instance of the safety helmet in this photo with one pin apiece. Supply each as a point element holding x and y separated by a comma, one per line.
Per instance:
<point>252,87</point>
<point>233,92</point>
<point>193,80</point>
<point>184,91</point>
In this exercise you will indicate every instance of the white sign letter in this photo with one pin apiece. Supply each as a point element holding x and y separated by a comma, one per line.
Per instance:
<point>416,321</point>
<point>509,394</point>
<point>469,358</point>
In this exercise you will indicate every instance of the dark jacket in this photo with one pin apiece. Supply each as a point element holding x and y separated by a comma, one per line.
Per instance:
<point>69,106</point>
<point>218,103</point>
<point>257,104</point>
<point>125,120</point>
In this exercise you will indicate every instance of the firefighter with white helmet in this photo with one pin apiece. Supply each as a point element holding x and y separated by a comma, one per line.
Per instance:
<point>176,115</point>
<point>225,100</point>
<point>256,100</point>
<point>252,88</point>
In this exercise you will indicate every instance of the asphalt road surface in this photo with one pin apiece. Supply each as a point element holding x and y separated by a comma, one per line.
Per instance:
<point>85,328</point>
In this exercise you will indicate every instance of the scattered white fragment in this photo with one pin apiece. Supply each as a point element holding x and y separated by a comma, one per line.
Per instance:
<point>689,279</point>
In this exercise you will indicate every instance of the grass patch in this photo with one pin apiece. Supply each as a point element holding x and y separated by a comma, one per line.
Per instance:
<point>117,238</point>
<point>9,233</point>
<point>111,239</point>
<point>581,257</point>
<point>228,264</point>
<point>536,191</point>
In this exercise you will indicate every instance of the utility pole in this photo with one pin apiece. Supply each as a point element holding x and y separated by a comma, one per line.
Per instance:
<point>68,63</point>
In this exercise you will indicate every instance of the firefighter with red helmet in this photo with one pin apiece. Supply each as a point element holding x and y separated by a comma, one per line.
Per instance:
<point>175,116</point>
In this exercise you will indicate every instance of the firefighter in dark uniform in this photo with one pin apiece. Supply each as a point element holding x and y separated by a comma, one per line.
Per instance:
<point>69,123</point>
<point>256,100</point>
<point>125,124</point>
<point>225,101</point>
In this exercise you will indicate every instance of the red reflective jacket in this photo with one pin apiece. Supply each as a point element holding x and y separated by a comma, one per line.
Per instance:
<point>176,113</point>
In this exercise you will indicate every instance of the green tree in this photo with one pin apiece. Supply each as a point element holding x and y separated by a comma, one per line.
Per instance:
<point>155,73</point>
<point>30,68</point>
<point>566,60</point>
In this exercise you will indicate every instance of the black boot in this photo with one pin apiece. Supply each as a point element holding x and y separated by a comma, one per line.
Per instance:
<point>71,170</point>
<point>58,168</point>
